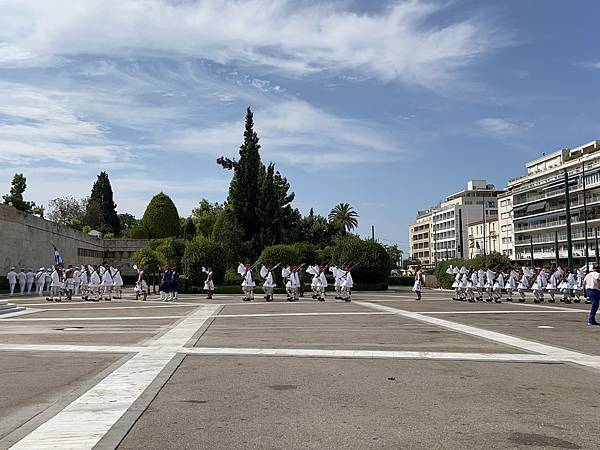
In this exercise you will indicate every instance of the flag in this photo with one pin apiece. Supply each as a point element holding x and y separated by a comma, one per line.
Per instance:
<point>57,258</point>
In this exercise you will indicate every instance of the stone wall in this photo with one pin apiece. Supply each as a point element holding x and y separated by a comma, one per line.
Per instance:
<point>26,241</point>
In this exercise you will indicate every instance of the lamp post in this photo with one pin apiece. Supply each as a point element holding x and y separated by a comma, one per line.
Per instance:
<point>568,217</point>
<point>483,214</point>
<point>585,224</point>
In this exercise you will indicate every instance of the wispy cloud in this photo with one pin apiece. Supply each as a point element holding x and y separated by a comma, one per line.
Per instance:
<point>297,133</point>
<point>397,43</point>
<point>502,127</point>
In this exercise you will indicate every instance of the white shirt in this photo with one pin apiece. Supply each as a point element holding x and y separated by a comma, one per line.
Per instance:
<point>22,277</point>
<point>30,277</point>
<point>591,280</point>
<point>12,277</point>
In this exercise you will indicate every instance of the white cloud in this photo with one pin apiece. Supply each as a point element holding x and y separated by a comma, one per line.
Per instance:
<point>295,132</point>
<point>38,125</point>
<point>503,127</point>
<point>397,43</point>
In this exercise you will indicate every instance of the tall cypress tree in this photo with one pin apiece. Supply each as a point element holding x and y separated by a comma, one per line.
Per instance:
<point>102,199</point>
<point>244,188</point>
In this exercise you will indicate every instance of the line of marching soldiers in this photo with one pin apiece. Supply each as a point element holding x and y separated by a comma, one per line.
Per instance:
<point>473,284</point>
<point>342,276</point>
<point>92,282</point>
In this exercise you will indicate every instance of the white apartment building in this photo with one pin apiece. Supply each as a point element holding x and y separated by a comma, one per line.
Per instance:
<point>505,220</point>
<point>539,205</point>
<point>452,216</point>
<point>419,238</point>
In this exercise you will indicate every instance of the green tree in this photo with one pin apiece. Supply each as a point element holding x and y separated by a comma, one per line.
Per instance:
<point>395,255</point>
<point>205,216</point>
<point>318,231</point>
<point>189,231</point>
<point>15,196</point>
<point>127,221</point>
<point>344,215</point>
<point>244,187</point>
<point>371,260</point>
<point>102,196</point>
<point>161,218</point>
<point>66,210</point>
<point>202,252</point>
<point>171,248</point>
<point>229,233</point>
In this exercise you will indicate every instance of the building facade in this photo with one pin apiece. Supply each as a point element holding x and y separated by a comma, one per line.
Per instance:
<point>484,237</point>
<point>540,208</point>
<point>452,216</point>
<point>505,223</point>
<point>419,238</point>
<point>449,220</point>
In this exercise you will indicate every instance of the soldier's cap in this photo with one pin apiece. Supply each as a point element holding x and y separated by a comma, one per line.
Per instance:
<point>42,269</point>
<point>12,268</point>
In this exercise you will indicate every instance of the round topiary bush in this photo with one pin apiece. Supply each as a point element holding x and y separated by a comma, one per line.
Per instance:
<point>283,253</point>
<point>306,252</point>
<point>148,259</point>
<point>203,252</point>
<point>371,259</point>
<point>161,218</point>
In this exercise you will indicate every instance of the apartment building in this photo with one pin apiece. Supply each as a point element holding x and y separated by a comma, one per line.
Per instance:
<point>505,223</point>
<point>484,237</point>
<point>419,238</point>
<point>539,205</point>
<point>449,237</point>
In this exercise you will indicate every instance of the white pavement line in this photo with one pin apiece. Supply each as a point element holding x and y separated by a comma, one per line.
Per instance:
<point>18,313</point>
<point>79,319</point>
<point>71,348</point>
<point>305,314</point>
<point>556,308</point>
<point>371,354</point>
<point>86,420</point>
<point>97,308</point>
<point>504,312</point>
<point>532,346</point>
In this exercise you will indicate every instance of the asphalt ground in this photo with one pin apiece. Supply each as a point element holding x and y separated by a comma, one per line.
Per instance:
<point>383,371</point>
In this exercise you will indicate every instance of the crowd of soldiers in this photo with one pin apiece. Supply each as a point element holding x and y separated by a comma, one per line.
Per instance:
<point>91,282</point>
<point>478,284</point>
<point>291,275</point>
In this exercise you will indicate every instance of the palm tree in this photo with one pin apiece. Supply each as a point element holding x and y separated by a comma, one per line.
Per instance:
<point>345,215</point>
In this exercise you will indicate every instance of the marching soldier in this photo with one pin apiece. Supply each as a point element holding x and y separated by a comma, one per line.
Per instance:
<point>29,276</point>
<point>418,283</point>
<point>267,273</point>
<point>245,271</point>
<point>11,276</point>
<point>209,284</point>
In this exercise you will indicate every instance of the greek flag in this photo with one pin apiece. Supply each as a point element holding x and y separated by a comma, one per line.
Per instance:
<point>57,258</point>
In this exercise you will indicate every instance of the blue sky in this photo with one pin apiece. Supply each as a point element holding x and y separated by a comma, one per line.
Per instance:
<point>385,105</point>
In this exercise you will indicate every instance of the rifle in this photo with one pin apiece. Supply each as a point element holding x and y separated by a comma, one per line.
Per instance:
<point>350,269</point>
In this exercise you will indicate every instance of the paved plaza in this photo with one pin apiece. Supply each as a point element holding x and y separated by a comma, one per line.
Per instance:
<point>382,371</point>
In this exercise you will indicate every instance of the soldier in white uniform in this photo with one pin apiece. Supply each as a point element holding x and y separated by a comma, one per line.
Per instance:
<point>472,285</point>
<point>523,283</point>
<point>267,273</point>
<point>22,277</point>
<point>245,271</point>
<point>49,279</point>
<point>498,286</point>
<point>480,284</point>
<point>490,275</point>
<point>117,281</point>
<point>77,281</point>
<point>314,271</point>
<point>141,287</point>
<point>94,284</point>
<point>336,284</point>
<point>83,281</point>
<point>418,283</point>
<point>578,288</point>
<point>40,280</point>
<point>209,284</point>
<point>321,283</point>
<point>512,284</point>
<point>11,276</point>
<point>56,285</point>
<point>553,284</point>
<point>347,283</point>
<point>107,283</point>
<point>29,280</point>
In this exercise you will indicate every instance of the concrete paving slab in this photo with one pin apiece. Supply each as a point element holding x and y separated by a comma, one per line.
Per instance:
<point>254,402</point>
<point>81,332</point>
<point>32,382</point>
<point>377,332</point>
<point>569,331</point>
<point>292,307</point>
<point>113,312</point>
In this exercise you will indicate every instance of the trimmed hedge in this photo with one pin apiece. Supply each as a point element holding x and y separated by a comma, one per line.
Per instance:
<point>161,218</point>
<point>203,252</point>
<point>373,261</point>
